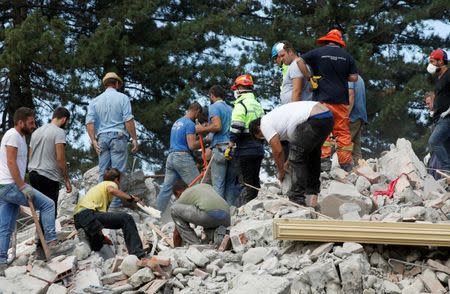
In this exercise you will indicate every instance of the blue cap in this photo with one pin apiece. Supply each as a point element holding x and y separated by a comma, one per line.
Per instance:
<point>276,48</point>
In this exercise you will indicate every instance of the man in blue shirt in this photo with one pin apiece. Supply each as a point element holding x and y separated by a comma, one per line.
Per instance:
<point>109,122</point>
<point>223,174</point>
<point>180,164</point>
<point>358,115</point>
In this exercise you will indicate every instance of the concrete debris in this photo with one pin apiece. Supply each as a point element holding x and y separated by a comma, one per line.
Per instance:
<point>255,263</point>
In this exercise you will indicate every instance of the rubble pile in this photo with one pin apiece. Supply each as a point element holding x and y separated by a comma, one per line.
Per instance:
<point>252,261</point>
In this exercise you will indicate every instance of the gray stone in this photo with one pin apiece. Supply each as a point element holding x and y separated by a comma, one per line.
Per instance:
<point>351,216</point>
<point>417,212</point>
<point>41,271</point>
<point>415,288</point>
<point>258,231</point>
<point>270,264</point>
<point>140,277</point>
<point>347,248</point>
<point>430,185</point>
<point>322,249</point>
<point>376,260</point>
<point>22,284</point>
<point>338,174</point>
<point>352,270</point>
<point>82,251</point>
<point>67,201</point>
<point>321,275</point>
<point>230,268</point>
<point>194,255</point>
<point>90,178</point>
<point>181,270</point>
<point>300,287</point>
<point>113,277</point>
<point>391,288</point>
<point>86,278</point>
<point>248,283</point>
<point>15,271</point>
<point>254,255</point>
<point>299,213</point>
<point>362,184</point>
<point>349,208</point>
<point>129,266</point>
<point>338,194</point>
<point>56,289</point>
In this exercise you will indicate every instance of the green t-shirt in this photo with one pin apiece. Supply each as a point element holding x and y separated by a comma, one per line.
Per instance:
<point>204,197</point>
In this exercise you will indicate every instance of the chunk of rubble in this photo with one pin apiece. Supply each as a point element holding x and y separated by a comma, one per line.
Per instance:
<point>129,266</point>
<point>248,283</point>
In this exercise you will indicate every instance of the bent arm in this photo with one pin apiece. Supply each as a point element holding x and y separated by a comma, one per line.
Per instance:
<point>214,127</point>
<point>61,160</point>
<point>303,68</point>
<point>193,144</point>
<point>118,193</point>
<point>277,153</point>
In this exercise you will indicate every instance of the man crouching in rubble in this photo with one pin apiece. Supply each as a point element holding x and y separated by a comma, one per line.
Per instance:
<point>91,215</point>
<point>202,206</point>
<point>305,125</point>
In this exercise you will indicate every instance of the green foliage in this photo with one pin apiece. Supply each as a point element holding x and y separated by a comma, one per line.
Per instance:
<point>170,52</point>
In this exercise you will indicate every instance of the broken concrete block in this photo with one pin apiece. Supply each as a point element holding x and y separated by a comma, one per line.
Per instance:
<point>348,208</point>
<point>15,271</point>
<point>438,266</point>
<point>23,284</point>
<point>368,173</point>
<point>348,248</point>
<point>201,274</point>
<point>376,260</point>
<point>194,255</point>
<point>431,282</point>
<point>82,251</point>
<point>402,184</point>
<point>362,184</point>
<point>254,255</point>
<point>352,270</point>
<point>322,249</point>
<point>56,289</point>
<point>321,275</point>
<point>417,212</point>
<point>338,174</point>
<point>140,277</point>
<point>129,266</point>
<point>338,194</point>
<point>86,278</point>
<point>42,271</point>
<point>430,185</point>
<point>391,288</point>
<point>248,283</point>
<point>416,287</point>
<point>113,278</point>
<point>402,159</point>
<point>63,267</point>
<point>250,230</point>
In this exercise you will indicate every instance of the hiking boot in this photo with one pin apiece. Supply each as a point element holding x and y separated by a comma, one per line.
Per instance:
<point>3,267</point>
<point>347,167</point>
<point>325,164</point>
<point>58,247</point>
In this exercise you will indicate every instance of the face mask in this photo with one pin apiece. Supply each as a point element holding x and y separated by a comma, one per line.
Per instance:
<point>431,68</point>
<point>236,94</point>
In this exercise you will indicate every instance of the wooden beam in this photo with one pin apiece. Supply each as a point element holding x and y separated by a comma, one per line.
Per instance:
<point>422,234</point>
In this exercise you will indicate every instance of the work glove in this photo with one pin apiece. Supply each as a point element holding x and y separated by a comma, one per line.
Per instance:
<point>227,153</point>
<point>27,190</point>
<point>314,81</point>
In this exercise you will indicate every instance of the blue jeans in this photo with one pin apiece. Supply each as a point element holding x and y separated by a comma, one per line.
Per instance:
<point>113,154</point>
<point>10,200</point>
<point>179,165</point>
<point>439,142</point>
<point>223,176</point>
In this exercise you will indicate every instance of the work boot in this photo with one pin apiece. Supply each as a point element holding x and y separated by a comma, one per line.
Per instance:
<point>3,267</point>
<point>219,234</point>
<point>58,247</point>
<point>325,164</point>
<point>347,167</point>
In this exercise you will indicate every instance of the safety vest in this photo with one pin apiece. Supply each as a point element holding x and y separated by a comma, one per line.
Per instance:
<point>246,109</point>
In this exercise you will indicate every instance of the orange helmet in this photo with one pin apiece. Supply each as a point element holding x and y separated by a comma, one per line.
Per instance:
<point>243,80</point>
<point>333,36</point>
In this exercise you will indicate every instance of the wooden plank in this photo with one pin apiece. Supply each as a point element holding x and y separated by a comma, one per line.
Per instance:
<point>39,230</point>
<point>162,235</point>
<point>422,234</point>
<point>155,286</point>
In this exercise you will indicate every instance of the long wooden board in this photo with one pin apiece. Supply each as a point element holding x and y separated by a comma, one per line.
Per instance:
<point>422,234</point>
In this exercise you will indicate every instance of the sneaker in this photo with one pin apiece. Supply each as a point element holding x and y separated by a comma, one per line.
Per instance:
<point>3,267</point>
<point>325,164</point>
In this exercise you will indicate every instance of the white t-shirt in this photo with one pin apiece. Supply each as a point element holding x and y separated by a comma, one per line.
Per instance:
<point>13,138</point>
<point>287,87</point>
<point>284,119</point>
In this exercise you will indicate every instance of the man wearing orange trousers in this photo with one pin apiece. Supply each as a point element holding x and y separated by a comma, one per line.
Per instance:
<point>336,68</point>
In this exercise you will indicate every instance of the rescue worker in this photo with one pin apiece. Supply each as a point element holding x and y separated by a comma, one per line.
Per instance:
<point>336,68</point>
<point>249,152</point>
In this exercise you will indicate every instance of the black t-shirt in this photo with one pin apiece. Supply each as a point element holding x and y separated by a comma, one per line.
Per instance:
<point>442,94</point>
<point>334,65</point>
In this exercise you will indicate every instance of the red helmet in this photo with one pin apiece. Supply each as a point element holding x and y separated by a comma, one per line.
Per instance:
<point>333,36</point>
<point>439,54</point>
<point>243,80</point>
